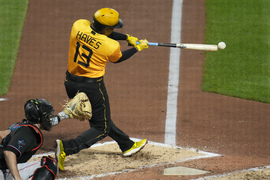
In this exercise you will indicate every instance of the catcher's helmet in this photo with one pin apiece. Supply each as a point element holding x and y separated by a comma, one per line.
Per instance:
<point>38,111</point>
<point>107,17</point>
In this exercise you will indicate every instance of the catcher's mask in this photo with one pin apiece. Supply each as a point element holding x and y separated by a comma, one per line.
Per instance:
<point>38,111</point>
<point>107,17</point>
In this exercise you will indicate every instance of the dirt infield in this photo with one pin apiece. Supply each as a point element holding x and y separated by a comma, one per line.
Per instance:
<point>105,159</point>
<point>235,128</point>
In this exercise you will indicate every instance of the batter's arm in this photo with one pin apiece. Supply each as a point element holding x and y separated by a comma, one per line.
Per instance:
<point>118,36</point>
<point>127,54</point>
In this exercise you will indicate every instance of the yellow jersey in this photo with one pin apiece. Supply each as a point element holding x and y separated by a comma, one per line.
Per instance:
<point>90,51</point>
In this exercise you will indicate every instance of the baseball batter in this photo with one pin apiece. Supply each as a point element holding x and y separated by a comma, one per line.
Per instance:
<point>92,45</point>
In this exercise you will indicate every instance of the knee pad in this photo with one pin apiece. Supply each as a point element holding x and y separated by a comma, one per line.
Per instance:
<point>47,171</point>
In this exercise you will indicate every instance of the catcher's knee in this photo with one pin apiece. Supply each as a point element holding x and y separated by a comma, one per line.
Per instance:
<point>47,171</point>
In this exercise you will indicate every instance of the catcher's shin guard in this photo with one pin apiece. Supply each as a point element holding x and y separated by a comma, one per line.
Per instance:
<point>47,171</point>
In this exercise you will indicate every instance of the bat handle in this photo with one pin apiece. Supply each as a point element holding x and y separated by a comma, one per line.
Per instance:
<point>149,43</point>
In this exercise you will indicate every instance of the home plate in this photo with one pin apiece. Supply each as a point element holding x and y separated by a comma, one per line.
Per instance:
<point>183,171</point>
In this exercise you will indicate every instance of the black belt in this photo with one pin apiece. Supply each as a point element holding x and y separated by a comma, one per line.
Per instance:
<point>81,78</point>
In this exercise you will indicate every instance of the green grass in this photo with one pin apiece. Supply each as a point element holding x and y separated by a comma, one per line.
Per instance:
<point>12,15</point>
<point>243,68</point>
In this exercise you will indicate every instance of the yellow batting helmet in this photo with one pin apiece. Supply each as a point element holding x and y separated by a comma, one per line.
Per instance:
<point>107,17</point>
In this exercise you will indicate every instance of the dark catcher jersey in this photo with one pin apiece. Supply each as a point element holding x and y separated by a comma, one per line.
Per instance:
<point>24,140</point>
<point>90,51</point>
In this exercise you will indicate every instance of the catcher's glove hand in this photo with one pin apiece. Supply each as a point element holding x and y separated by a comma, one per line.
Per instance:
<point>79,107</point>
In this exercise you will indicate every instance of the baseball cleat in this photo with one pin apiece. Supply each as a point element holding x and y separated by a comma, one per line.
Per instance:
<point>60,154</point>
<point>137,146</point>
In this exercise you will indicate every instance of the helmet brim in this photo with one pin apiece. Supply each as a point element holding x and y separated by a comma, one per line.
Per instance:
<point>120,24</point>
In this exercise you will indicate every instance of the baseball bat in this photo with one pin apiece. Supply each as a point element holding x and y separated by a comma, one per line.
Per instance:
<point>203,47</point>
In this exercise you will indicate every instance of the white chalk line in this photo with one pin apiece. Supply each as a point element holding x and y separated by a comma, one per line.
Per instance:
<point>3,99</point>
<point>135,140</point>
<point>233,173</point>
<point>174,71</point>
<point>205,155</point>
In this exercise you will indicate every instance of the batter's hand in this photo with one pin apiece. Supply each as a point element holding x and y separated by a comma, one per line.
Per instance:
<point>143,44</point>
<point>132,40</point>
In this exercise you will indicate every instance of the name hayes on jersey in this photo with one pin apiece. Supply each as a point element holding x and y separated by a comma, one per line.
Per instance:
<point>87,39</point>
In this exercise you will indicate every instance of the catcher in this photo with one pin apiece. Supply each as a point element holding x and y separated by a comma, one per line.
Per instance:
<point>22,141</point>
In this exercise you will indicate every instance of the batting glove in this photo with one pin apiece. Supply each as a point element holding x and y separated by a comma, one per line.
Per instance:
<point>132,40</point>
<point>143,44</point>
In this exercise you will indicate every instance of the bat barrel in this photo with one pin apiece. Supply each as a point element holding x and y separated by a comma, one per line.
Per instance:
<point>203,47</point>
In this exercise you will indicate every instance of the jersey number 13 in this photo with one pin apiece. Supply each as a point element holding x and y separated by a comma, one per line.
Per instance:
<point>87,57</point>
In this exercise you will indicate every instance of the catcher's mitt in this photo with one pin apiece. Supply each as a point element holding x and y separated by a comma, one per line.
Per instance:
<point>79,107</point>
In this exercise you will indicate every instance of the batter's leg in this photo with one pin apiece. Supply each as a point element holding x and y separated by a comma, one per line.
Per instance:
<point>120,137</point>
<point>83,141</point>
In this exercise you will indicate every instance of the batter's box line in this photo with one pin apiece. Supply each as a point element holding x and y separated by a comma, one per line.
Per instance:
<point>205,155</point>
